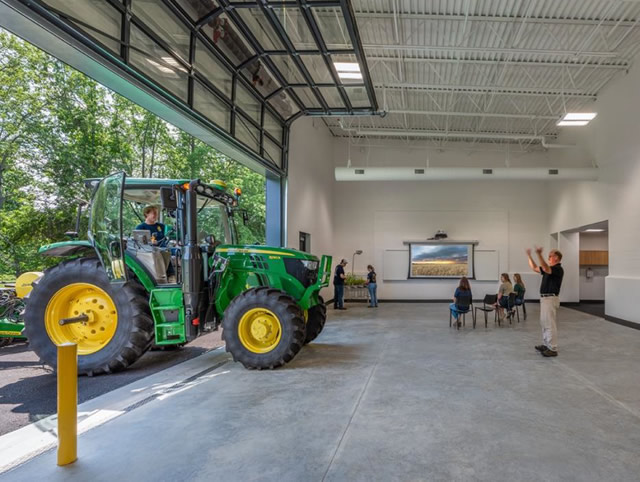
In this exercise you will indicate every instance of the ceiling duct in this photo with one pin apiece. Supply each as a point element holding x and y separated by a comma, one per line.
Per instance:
<point>465,174</point>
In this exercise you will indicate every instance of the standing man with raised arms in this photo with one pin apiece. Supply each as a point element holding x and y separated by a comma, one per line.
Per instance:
<point>552,274</point>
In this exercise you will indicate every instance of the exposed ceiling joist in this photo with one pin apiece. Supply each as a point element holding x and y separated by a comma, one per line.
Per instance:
<point>577,64</point>
<point>480,89</point>
<point>483,50</point>
<point>474,114</point>
<point>496,18</point>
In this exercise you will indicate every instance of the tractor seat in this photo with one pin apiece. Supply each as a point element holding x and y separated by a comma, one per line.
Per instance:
<point>155,260</point>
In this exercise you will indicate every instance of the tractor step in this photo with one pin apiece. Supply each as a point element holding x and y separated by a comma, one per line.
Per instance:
<point>167,309</point>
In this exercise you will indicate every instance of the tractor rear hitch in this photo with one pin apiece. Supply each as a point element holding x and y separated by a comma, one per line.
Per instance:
<point>83,318</point>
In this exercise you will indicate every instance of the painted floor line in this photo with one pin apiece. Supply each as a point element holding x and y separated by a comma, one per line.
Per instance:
<point>21,445</point>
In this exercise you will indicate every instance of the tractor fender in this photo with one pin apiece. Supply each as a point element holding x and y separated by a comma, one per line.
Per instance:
<point>68,248</point>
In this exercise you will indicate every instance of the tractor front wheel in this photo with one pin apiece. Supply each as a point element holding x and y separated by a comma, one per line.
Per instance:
<point>111,325</point>
<point>5,342</point>
<point>316,318</point>
<point>263,328</point>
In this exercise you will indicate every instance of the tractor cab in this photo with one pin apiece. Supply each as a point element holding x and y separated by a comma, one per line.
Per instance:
<point>188,212</point>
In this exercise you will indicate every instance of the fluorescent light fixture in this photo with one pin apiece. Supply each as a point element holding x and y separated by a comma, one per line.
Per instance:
<point>564,123</point>
<point>350,75</point>
<point>593,230</point>
<point>347,66</point>
<point>576,119</point>
<point>575,116</point>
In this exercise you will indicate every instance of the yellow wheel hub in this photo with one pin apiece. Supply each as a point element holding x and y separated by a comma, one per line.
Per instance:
<point>259,330</point>
<point>73,301</point>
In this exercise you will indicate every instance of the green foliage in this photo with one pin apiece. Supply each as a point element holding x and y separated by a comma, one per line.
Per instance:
<point>58,127</point>
<point>354,280</point>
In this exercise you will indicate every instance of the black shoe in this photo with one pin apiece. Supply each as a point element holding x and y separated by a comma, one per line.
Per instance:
<point>342,308</point>
<point>549,353</point>
<point>540,348</point>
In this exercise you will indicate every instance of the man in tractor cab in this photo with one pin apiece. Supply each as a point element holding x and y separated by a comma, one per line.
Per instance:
<point>151,224</point>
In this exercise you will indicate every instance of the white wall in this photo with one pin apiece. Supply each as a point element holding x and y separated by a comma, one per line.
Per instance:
<point>613,139</point>
<point>310,201</point>
<point>375,216</point>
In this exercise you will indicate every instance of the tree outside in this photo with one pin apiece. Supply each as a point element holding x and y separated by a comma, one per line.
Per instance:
<point>58,127</point>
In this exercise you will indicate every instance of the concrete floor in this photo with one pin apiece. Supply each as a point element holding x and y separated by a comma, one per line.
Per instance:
<point>391,394</point>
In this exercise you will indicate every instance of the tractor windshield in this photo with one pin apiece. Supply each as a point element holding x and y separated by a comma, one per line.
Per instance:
<point>213,219</point>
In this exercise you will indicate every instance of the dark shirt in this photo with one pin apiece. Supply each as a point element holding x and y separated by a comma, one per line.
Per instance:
<point>460,293</point>
<point>371,277</point>
<point>337,279</point>
<point>551,281</point>
<point>157,229</point>
<point>519,289</point>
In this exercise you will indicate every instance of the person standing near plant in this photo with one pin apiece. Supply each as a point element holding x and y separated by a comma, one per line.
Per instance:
<point>372,285</point>
<point>338,286</point>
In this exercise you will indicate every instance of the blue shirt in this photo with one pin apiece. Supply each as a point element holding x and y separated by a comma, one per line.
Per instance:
<point>459,292</point>
<point>156,229</point>
<point>337,279</point>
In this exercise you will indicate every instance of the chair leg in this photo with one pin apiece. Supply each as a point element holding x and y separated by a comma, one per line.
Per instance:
<point>524,310</point>
<point>450,317</point>
<point>518,313</point>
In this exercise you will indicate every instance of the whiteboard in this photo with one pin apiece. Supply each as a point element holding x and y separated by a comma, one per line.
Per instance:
<point>487,265</point>
<point>395,265</point>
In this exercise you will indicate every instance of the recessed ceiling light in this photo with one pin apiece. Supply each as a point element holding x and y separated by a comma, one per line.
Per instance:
<point>350,75</point>
<point>347,66</point>
<point>566,123</point>
<point>593,230</point>
<point>579,116</point>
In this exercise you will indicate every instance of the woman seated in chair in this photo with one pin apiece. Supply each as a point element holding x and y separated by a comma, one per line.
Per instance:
<point>463,289</point>
<point>518,287</point>
<point>505,289</point>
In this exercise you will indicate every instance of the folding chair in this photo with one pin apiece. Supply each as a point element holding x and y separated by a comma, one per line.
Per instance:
<point>487,306</point>
<point>463,306</point>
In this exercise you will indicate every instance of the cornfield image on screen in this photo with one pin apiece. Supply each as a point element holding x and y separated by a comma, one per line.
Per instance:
<point>439,261</point>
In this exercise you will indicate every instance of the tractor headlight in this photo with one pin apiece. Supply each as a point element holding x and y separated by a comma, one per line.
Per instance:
<point>310,265</point>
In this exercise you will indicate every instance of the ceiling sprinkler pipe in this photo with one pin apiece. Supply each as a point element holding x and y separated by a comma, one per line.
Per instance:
<point>465,174</point>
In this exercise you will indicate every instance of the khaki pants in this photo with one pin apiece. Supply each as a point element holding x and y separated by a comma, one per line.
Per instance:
<point>548,312</point>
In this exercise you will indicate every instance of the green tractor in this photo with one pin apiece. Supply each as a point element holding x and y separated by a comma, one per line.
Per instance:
<point>113,298</point>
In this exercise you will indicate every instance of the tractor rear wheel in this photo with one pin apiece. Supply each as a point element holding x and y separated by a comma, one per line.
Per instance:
<point>316,318</point>
<point>263,328</point>
<point>117,329</point>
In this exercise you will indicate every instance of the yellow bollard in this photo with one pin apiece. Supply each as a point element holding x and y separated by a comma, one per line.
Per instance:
<point>67,403</point>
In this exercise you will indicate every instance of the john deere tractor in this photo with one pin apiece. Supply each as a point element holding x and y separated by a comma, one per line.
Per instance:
<point>113,296</point>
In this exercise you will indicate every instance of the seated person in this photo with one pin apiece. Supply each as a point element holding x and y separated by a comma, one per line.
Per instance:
<point>464,288</point>
<point>505,289</point>
<point>157,235</point>
<point>518,287</point>
<point>151,223</point>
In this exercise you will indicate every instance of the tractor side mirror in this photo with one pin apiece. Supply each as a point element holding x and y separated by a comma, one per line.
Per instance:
<point>168,198</point>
